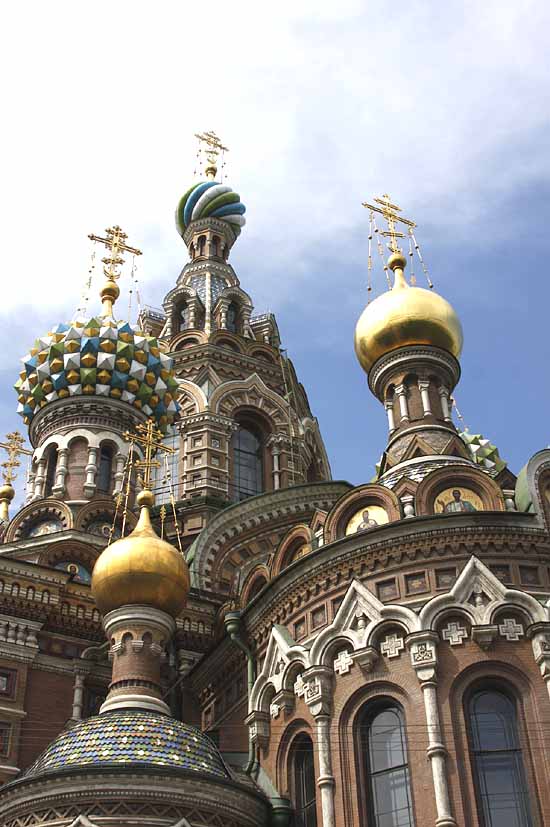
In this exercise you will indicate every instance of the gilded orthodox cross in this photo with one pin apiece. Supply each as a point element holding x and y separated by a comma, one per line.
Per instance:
<point>390,212</point>
<point>150,439</point>
<point>116,244</point>
<point>213,147</point>
<point>14,447</point>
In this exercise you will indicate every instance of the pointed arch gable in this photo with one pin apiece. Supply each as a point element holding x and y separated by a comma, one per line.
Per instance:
<point>233,395</point>
<point>476,576</point>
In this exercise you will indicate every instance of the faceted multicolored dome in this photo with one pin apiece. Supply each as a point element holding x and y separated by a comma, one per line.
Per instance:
<point>131,738</point>
<point>210,199</point>
<point>98,357</point>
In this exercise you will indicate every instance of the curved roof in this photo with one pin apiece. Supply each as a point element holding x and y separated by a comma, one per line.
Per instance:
<point>130,737</point>
<point>210,199</point>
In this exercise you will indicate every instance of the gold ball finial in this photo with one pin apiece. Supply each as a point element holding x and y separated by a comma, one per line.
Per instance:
<point>145,498</point>
<point>397,261</point>
<point>7,492</point>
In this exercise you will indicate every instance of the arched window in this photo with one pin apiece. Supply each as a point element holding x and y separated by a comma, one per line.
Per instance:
<point>232,316</point>
<point>385,764</point>
<point>183,315</point>
<point>303,781</point>
<point>202,244</point>
<point>105,469</point>
<point>248,472</point>
<point>497,760</point>
<point>215,245</point>
<point>51,465</point>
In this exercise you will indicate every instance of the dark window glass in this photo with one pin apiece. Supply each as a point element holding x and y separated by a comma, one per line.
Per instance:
<point>390,803</point>
<point>232,312</point>
<point>247,462</point>
<point>105,468</point>
<point>51,466</point>
<point>305,810</point>
<point>498,761</point>
<point>184,316</point>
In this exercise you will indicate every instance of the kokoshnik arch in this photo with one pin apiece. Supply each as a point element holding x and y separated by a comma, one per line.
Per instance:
<point>198,626</point>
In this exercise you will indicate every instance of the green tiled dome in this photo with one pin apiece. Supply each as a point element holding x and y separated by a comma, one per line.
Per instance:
<point>131,738</point>
<point>98,357</point>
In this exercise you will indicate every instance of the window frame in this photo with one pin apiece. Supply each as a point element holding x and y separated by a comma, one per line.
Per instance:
<point>367,714</point>
<point>525,768</point>
<point>238,490</point>
<point>309,808</point>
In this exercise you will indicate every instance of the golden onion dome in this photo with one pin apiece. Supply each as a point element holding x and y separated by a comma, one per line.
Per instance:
<point>405,316</point>
<point>7,492</point>
<point>141,569</point>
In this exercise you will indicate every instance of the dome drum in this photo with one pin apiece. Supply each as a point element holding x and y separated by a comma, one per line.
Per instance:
<point>425,358</point>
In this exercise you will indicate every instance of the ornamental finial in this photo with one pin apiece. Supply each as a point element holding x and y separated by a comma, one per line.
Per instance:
<point>212,147</point>
<point>115,242</point>
<point>14,446</point>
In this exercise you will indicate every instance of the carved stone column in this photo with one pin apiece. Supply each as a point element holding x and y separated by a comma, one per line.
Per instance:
<point>424,388</point>
<point>274,444</point>
<point>318,681</point>
<point>391,419</point>
<point>120,461</point>
<point>78,696</point>
<point>40,478</point>
<point>61,472</point>
<point>445,403</point>
<point>91,471</point>
<point>422,647</point>
<point>401,393</point>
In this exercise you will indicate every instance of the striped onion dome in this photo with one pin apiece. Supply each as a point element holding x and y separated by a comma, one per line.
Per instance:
<point>207,199</point>
<point>98,357</point>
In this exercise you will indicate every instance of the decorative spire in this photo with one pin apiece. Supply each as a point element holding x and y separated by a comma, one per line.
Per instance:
<point>116,244</point>
<point>213,147</point>
<point>14,447</point>
<point>150,438</point>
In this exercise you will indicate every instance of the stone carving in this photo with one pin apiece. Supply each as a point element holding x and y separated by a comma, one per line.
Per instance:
<point>392,646</point>
<point>299,687</point>
<point>454,633</point>
<point>510,629</point>
<point>343,663</point>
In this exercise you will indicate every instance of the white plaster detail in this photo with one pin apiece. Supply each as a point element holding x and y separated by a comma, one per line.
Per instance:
<point>299,687</point>
<point>274,710</point>
<point>510,629</point>
<point>454,633</point>
<point>343,663</point>
<point>392,646</point>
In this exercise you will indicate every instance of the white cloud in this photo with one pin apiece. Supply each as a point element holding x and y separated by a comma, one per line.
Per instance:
<point>322,104</point>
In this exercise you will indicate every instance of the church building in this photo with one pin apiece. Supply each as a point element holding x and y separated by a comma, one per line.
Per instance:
<point>199,627</point>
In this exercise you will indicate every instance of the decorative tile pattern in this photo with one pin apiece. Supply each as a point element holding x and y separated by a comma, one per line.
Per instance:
<point>98,357</point>
<point>127,737</point>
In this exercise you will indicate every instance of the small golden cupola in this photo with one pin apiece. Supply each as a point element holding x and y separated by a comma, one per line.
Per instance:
<point>142,569</point>
<point>405,315</point>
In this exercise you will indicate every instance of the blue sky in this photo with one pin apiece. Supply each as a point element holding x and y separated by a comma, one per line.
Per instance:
<point>323,105</point>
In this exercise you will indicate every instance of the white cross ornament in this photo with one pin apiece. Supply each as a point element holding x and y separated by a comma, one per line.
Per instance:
<point>299,687</point>
<point>454,633</point>
<point>274,710</point>
<point>510,629</point>
<point>392,646</point>
<point>343,663</point>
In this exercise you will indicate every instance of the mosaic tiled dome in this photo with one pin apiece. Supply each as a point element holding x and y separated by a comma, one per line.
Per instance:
<point>483,452</point>
<point>210,199</point>
<point>100,357</point>
<point>131,737</point>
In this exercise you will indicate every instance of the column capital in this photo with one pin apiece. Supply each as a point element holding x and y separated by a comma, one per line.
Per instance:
<point>422,647</point>
<point>319,685</point>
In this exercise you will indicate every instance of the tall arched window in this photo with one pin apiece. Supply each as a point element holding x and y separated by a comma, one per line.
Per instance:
<point>51,466</point>
<point>385,763</point>
<point>497,760</point>
<point>105,469</point>
<point>232,316</point>
<point>183,313</point>
<point>248,472</point>
<point>303,781</point>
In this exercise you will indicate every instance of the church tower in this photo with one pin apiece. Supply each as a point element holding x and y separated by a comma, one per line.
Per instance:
<point>245,425</point>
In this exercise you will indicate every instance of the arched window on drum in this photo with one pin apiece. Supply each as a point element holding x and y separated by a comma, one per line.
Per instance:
<point>497,759</point>
<point>303,785</point>
<point>387,799</point>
